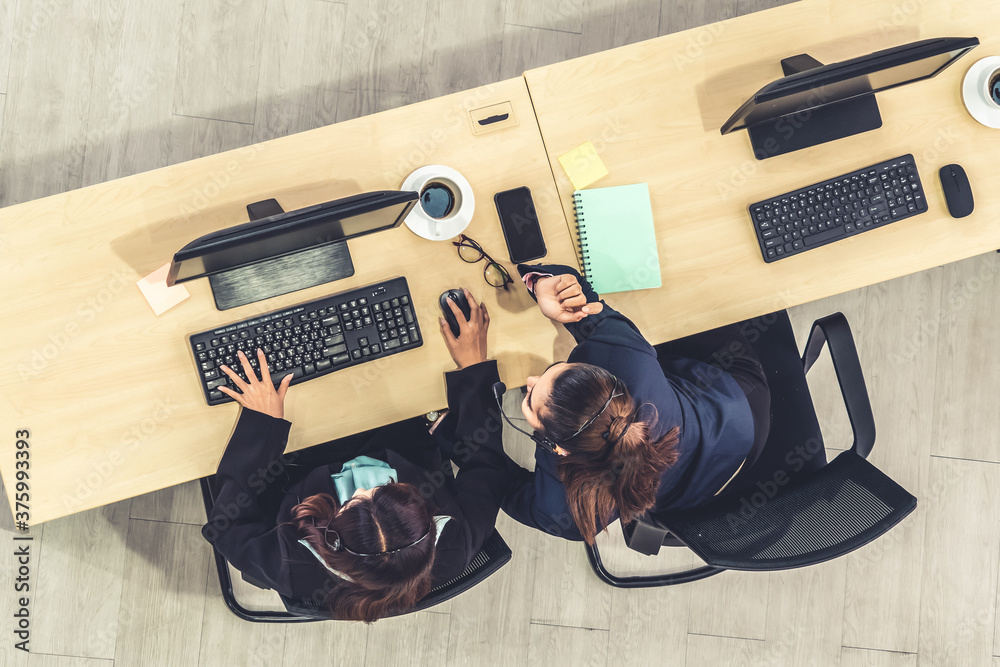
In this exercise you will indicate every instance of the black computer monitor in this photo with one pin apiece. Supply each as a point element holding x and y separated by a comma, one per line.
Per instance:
<point>280,252</point>
<point>816,103</point>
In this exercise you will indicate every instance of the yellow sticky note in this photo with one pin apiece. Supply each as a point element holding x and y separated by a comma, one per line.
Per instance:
<point>160,297</point>
<point>583,165</point>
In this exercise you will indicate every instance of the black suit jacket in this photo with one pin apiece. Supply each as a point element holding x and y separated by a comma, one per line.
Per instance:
<point>247,526</point>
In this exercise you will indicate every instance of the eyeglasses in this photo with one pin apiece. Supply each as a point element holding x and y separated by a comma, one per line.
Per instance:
<point>470,251</point>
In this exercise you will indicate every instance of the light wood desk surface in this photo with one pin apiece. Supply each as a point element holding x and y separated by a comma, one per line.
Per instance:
<point>108,390</point>
<point>654,109</point>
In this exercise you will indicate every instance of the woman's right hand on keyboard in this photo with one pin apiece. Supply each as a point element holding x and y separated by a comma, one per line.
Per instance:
<point>259,395</point>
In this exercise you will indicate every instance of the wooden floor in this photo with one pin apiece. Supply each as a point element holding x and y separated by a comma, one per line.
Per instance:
<point>91,90</point>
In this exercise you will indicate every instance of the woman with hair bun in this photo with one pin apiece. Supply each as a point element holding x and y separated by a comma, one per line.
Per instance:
<point>370,523</point>
<point>622,430</point>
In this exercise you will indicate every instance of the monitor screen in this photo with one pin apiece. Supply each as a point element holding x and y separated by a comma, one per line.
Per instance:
<point>836,82</point>
<point>290,232</point>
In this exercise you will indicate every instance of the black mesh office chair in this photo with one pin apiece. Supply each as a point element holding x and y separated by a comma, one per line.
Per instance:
<point>493,555</point>
<point>782,512</point>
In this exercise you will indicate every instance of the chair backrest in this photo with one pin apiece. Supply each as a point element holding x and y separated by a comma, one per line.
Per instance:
<point>793,421</point>
<point>822,515</point>
<point>793,417</point>
<point>493,555</point>
<point>790,508</point>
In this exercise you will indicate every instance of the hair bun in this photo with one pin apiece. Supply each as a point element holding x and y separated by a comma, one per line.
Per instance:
<point>620,421</point>
<point>619,427</point>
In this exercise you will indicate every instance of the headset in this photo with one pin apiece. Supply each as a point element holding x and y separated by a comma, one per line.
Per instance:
<point>333,541</point>
<point>543,441</point>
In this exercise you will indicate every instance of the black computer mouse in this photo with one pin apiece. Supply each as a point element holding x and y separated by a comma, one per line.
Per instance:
<point>458,296</point>
<point>957,191</point>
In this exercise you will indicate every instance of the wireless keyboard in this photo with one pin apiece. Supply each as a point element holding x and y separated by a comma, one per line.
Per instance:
<point>312,339</point>
<point>838,208</point>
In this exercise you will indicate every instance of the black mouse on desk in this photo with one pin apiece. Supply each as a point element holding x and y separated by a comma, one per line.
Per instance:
<point>957,191</point>
<point>458,296</point>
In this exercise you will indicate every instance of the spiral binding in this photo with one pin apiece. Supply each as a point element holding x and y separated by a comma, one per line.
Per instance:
<point>581,234</point>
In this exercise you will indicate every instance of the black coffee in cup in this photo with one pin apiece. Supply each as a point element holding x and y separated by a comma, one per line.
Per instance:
<point>437,200</point>
<point>994,87</point>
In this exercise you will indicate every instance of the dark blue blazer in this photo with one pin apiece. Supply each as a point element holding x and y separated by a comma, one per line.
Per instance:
<point>716,425</point>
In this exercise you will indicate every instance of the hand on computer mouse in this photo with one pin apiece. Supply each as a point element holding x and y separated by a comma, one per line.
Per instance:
<point>561,299</point>
<point>469,348</point>
<point>259,395</point>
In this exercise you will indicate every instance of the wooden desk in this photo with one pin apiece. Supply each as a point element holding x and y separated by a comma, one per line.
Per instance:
<point>108,390</point>
<point>654,109</point>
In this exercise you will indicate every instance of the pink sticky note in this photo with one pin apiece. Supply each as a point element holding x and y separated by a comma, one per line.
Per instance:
<point>160,297</point>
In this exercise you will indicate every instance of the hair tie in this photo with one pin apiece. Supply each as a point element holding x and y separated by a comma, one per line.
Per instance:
<point>627,427</point>
<point>607,433</point>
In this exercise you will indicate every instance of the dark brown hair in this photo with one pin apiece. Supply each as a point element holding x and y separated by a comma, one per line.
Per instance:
<point>614,462</point>
<point>395,516</point>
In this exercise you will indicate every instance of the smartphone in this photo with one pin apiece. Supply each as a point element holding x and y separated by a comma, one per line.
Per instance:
<point>519,223</point>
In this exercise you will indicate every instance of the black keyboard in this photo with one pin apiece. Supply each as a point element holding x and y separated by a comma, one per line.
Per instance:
<point>838,208</point>
<point>312,339</point>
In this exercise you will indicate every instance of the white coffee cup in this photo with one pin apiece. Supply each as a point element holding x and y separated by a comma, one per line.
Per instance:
<point>981,90</point>
<point>446,202</point>
<point>993,88</point>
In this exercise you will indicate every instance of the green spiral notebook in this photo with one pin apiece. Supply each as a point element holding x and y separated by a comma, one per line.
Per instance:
<point>617,238</point>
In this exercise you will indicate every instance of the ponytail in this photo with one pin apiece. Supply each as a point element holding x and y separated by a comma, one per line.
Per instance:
<point>616,462</point>
<point>637,461</point>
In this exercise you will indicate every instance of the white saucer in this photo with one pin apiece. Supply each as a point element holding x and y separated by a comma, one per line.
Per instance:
<point>453,224</point>
<point>979,105</point>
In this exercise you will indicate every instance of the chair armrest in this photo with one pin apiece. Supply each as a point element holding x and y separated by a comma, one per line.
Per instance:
<point>643,536</point>
<point>646,581</point>
<point>834,330</point>
<point>646,535</point>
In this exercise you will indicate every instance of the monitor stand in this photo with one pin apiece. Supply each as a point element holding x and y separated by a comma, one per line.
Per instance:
<point>281,275</point>
<point>816,126</point>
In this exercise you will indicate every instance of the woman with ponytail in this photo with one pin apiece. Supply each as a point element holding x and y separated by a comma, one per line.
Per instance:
<point>368,524</point>
<point>622,430</point>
